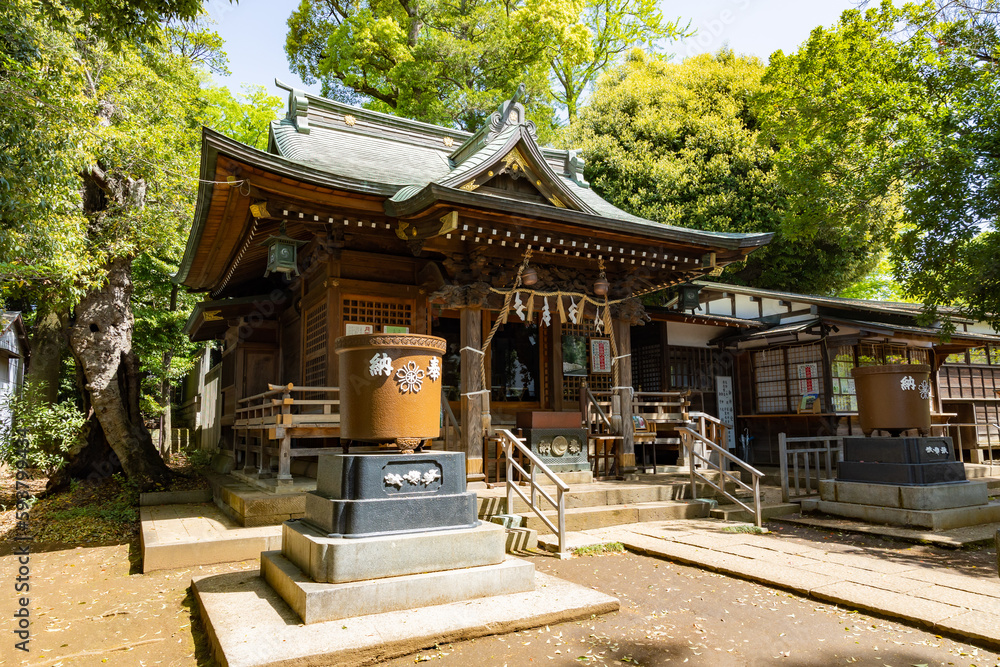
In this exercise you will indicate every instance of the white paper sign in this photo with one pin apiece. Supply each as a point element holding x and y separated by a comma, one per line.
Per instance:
<point>727,413</point>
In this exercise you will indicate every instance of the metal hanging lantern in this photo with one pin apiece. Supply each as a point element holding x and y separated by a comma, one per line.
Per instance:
<point>601,285</point>
<point>282,253</point>
<point>689,297</point>
<point>529,277</point>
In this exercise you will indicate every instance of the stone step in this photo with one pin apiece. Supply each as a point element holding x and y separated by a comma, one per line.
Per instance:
<point>737,513</point>
<point>175,536</point>
<point>586,518</point>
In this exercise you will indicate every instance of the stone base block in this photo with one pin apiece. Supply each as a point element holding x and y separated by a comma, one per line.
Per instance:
<point>316,603</point>
<point>232,603</point>
<point>944,519</point>
<point>923,497</point>
<point>340,560</point>
<point>390,516</point>
<point>576,477</point>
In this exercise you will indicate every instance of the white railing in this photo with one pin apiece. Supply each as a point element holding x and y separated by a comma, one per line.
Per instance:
<point>821,459</point>
<point>510,442</point>
<point>688,438</point>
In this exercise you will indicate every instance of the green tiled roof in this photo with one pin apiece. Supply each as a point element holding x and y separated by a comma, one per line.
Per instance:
<point>393,152</point>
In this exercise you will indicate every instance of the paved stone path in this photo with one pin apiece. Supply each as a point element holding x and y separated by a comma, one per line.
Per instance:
<point>945,601</point>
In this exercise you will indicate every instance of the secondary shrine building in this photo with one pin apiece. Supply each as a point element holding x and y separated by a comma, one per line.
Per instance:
<point>354,221</point>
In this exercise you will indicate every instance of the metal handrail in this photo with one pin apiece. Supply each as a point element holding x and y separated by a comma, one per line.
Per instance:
<point>450,421</point>
<point>687,434</point>
<point>509,442</point>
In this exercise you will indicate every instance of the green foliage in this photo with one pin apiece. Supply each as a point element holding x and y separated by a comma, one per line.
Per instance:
<point>614,27</point>
<point>680,144</point>
<point>199,458</point>
<point>49,430</point>
<point>41,107</point>
<point>246,117</point>
<point>75,104</point>
<point>453,63</point>
<point>448,63</point>
<point>597,549</point>
<point>746,528</point>
<point>119,22</point>
<point>889,121</point>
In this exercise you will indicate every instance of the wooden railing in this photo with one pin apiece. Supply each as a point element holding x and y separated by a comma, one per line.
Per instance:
<point>663,412</point>
<point>720,466</point>
<point>818,460</point>
<point>946,429</point>
<point>279,414</point>
<point>602,418</point>
<point>511,444</point>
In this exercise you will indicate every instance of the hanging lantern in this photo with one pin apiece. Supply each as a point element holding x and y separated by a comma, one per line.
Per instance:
<point>601,285</point>
<point>282,253</point>
<point>689,297</point>
<point>529,277</point>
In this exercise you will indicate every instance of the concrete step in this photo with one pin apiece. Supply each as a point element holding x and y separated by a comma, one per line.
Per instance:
<point>187,535</point>
<point>737,513</point>
<point>586,518</point>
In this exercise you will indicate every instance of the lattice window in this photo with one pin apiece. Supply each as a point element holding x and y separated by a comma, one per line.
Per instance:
<point>647,362</point>
<point>315,343</point>
<point>783,375</point>
<point>977,356</point>
<point>596,381</point>
<point>693,368</point>
<point>877,354</point>
<point>380,312</point>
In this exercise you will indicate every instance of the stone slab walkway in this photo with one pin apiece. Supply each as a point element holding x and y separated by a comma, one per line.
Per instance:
<point>954,538</point>
<point>946,602</point>
<point>174,536</point>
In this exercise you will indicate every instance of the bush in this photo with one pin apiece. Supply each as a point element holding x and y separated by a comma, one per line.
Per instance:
<point>49,431</point>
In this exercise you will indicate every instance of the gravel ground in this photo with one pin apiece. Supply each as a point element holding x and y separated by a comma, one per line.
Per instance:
<point>672,614</point>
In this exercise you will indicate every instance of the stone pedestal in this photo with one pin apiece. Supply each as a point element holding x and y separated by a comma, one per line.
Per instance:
<point>900,461</point>
<point>364,495</point>
<point>390,532</point>
<point>933,506</point>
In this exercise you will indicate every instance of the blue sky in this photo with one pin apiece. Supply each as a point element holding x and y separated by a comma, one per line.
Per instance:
<point>254,31</point>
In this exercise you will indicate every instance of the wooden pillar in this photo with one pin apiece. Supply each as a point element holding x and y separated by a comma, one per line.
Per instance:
<point>664,357</point>
<point>623,339</point>
<point>471,333</point>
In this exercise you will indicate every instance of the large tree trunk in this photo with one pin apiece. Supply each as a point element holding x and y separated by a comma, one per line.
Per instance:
<point>48,342</point>
<point>101,342</point>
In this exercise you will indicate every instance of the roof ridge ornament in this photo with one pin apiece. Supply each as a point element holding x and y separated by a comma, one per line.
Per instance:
<point>298,110</point>
<point>511,112</point>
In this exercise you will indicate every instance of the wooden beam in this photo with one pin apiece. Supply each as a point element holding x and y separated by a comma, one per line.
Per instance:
<point>471,326</point>
<point>623,340</point>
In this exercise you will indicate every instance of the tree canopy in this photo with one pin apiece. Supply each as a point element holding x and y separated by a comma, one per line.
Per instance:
<point>890,121</point>
<point>453,63</point>
<point>679,143</point>
<point>97,184</point>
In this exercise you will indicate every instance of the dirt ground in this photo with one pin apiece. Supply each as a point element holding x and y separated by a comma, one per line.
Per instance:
<point>91,607</point>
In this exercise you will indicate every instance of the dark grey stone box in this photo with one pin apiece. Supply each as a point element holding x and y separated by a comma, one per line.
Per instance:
<point>363,495</point>
<point>903,461</point>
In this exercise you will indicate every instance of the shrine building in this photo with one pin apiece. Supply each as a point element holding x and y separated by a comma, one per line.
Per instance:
<point>354,221</point>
